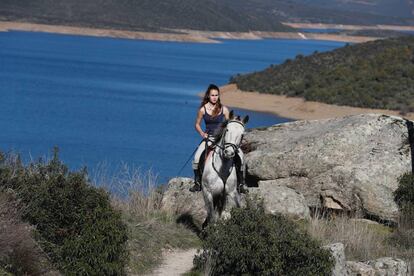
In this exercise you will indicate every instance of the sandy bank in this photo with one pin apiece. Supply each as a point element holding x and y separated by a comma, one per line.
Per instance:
<point>348,27</point>
<point>6,26</point>
<point>180,36</point>
<point>295,108</point>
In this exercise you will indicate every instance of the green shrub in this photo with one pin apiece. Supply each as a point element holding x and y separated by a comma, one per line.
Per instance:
<point>252,242</point>
<point>404,197</point>
<point>405,191</point>
<point>75,222</point>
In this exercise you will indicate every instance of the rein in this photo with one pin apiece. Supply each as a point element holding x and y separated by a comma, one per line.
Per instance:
<point>221,145</point>
<point>235,147</point>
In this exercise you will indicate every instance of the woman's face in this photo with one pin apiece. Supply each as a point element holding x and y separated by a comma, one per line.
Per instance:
<point>213,96</point>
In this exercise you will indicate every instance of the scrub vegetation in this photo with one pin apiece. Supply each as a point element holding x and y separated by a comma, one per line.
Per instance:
<point>252,242</point>
<point>53,220</point>
<point>75,224</point>
<point>57,221</point>
<point>143,15</point>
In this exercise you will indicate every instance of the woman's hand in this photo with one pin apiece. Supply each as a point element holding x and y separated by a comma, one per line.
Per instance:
<point>204,135</point>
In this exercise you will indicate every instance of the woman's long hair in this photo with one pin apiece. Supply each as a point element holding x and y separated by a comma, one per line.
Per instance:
<point>206,99</point>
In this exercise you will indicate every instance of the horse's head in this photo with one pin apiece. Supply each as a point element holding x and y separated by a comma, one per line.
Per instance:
<point>233,134</point>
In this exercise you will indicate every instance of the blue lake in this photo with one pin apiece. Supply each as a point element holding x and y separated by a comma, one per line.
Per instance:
<point>113,101</point>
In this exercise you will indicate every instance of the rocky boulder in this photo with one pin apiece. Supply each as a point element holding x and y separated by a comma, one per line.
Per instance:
<point>351,164</point>
<point>281,199</point>
<point>338,253</point>
<point>383,266</point>
<point>178,200</point>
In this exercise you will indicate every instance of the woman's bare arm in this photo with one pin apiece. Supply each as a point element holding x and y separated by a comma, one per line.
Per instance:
<point>198,123</point>
<point>226,112</point>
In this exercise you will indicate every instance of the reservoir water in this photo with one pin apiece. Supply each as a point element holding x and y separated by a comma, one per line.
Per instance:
<point>114,101</point>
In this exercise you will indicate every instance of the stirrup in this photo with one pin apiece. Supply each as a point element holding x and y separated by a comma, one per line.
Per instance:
<point>197,182</point>
<point>196,187</point>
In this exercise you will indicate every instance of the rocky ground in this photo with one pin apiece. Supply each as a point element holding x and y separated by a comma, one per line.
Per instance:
<point>349,166</point>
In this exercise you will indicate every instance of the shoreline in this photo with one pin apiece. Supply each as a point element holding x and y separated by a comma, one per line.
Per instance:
<point>293,108</point>
<point>348,27</point>
<point>183,35</point>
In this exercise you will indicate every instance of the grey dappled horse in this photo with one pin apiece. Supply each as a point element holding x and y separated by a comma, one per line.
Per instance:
<point>219,179</point>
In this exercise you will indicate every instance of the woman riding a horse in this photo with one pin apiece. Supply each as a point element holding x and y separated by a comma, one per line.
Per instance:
<point>214,114</point>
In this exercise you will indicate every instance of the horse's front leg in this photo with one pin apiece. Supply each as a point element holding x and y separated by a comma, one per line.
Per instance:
<point>208,200</point>
<point>232,201</point>
<point>232,196</point>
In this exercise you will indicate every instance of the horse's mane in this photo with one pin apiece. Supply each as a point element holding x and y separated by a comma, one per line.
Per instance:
<point>220,131</point>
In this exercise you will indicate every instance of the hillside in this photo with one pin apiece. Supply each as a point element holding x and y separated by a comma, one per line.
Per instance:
<point>396,8</point>
<point>331,12</point>
<point>378,74</point>
<point>211,15</point>
<point>143,15</point>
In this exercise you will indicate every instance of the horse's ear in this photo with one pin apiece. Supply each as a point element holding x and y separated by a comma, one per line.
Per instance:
<point>231,115</point>
<point>245,119</point>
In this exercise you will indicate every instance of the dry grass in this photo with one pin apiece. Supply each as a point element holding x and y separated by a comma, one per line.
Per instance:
<point>133,191</point>
<point>363,240</point>
<point>138,196</point>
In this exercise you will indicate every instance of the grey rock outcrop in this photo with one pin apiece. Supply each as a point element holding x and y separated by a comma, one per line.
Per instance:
<point>338,252</point>
<point>380,267</point>
<point>281,199</point>
<point>180,201</point>
<point>359,269</point>
<point>350,164</point>
<point>389,266</point>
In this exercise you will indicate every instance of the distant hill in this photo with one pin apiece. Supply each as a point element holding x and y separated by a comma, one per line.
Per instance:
<point>395,12</point>
<point>143,15</point>
<point>394,8</point>
<point>377,74</point>
<point>213,15</point>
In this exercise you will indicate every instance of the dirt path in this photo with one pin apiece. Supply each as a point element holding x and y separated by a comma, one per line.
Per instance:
<point>176,262</point>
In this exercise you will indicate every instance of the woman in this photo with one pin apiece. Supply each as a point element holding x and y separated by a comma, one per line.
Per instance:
<point>213,113</point>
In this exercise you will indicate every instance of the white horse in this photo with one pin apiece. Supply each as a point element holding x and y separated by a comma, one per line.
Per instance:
<point>219,179</point>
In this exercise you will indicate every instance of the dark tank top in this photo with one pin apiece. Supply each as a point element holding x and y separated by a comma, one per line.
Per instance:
<point>212,123</point>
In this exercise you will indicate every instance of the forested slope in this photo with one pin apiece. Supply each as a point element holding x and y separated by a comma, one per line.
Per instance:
<point>377,74</point>
<point>143,15</point>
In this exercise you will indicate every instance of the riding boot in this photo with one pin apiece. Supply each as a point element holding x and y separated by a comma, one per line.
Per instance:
<point>240,183</point>
<point>197,182</point>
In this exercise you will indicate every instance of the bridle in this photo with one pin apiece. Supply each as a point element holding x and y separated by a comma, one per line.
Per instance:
<point>222,145</point>
<point>232,145</point>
